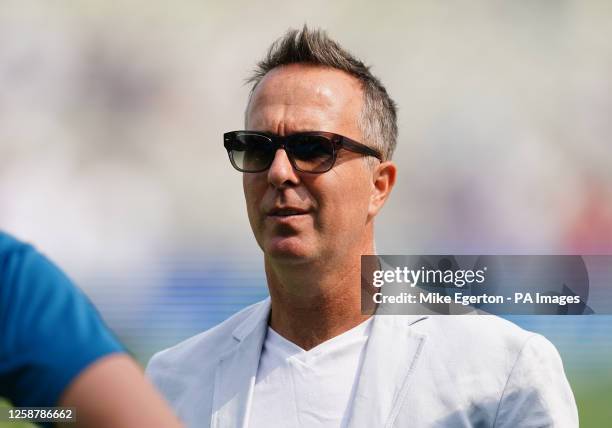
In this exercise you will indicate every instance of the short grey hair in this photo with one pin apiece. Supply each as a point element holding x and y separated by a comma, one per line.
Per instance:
<point>378,118</point>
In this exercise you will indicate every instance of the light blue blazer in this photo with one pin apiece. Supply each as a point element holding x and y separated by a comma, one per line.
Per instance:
<point>418,371</point>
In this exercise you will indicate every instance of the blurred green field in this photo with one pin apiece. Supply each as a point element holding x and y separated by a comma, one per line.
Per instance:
<point>593,395</point>
<point>594,399</point>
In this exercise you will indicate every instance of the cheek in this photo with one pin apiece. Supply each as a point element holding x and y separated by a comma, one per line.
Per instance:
<point>345,207</point>
<point>252,195</point>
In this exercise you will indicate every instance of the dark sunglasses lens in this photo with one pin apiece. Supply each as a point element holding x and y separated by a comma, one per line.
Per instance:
<point>313,153</point>
<point>252,152</point>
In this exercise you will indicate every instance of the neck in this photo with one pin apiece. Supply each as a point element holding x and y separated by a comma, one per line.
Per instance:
<point>316,301</point>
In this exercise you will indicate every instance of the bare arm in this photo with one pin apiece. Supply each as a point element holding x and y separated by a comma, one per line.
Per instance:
<point>113,392</point>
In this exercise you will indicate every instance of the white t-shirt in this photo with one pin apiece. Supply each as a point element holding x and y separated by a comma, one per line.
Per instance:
<point>314,388</point>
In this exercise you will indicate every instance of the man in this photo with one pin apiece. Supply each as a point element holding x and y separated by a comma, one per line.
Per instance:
<point>316,163</point>
<point>56,351</point>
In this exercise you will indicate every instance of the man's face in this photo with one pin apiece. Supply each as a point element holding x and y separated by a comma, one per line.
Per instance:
<point>299,216</point>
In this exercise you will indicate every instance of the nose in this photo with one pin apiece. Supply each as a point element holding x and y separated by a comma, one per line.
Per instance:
<point>281,172</point>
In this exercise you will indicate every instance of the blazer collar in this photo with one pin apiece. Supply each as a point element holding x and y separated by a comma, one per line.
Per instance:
<point>237,369</point>
<point>390,358</point>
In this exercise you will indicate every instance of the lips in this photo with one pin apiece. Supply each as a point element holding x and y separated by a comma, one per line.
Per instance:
<point>287,211</point>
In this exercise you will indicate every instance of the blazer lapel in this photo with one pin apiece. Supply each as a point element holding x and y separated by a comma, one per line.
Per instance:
<point>391,357</point>
<point>237,369</point>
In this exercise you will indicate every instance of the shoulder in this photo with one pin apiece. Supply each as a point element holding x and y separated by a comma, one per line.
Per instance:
<point>521,368</point>
<point>205,348</point>
<point>23,269</point>
<point>506,374</point>
<point>14,254</point>
<point>9,245</point>
<point>475,333</point>
<point>185,373</point>
<point>485,344</point>
<point>44,315</point>
<point>30,283</point>
<point>27,278</point>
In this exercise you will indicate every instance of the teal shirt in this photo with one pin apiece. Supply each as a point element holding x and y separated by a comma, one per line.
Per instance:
<point>49,330</point>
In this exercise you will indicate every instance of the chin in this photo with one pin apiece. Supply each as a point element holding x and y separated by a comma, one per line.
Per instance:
<point>289,249</point>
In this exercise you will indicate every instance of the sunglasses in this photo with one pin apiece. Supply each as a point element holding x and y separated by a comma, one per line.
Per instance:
<point>313,152</point>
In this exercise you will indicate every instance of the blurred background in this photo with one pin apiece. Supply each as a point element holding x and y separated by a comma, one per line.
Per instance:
<point>111,156</point>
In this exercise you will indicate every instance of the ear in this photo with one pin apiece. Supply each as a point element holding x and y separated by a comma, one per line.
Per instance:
<point>383,180</point>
